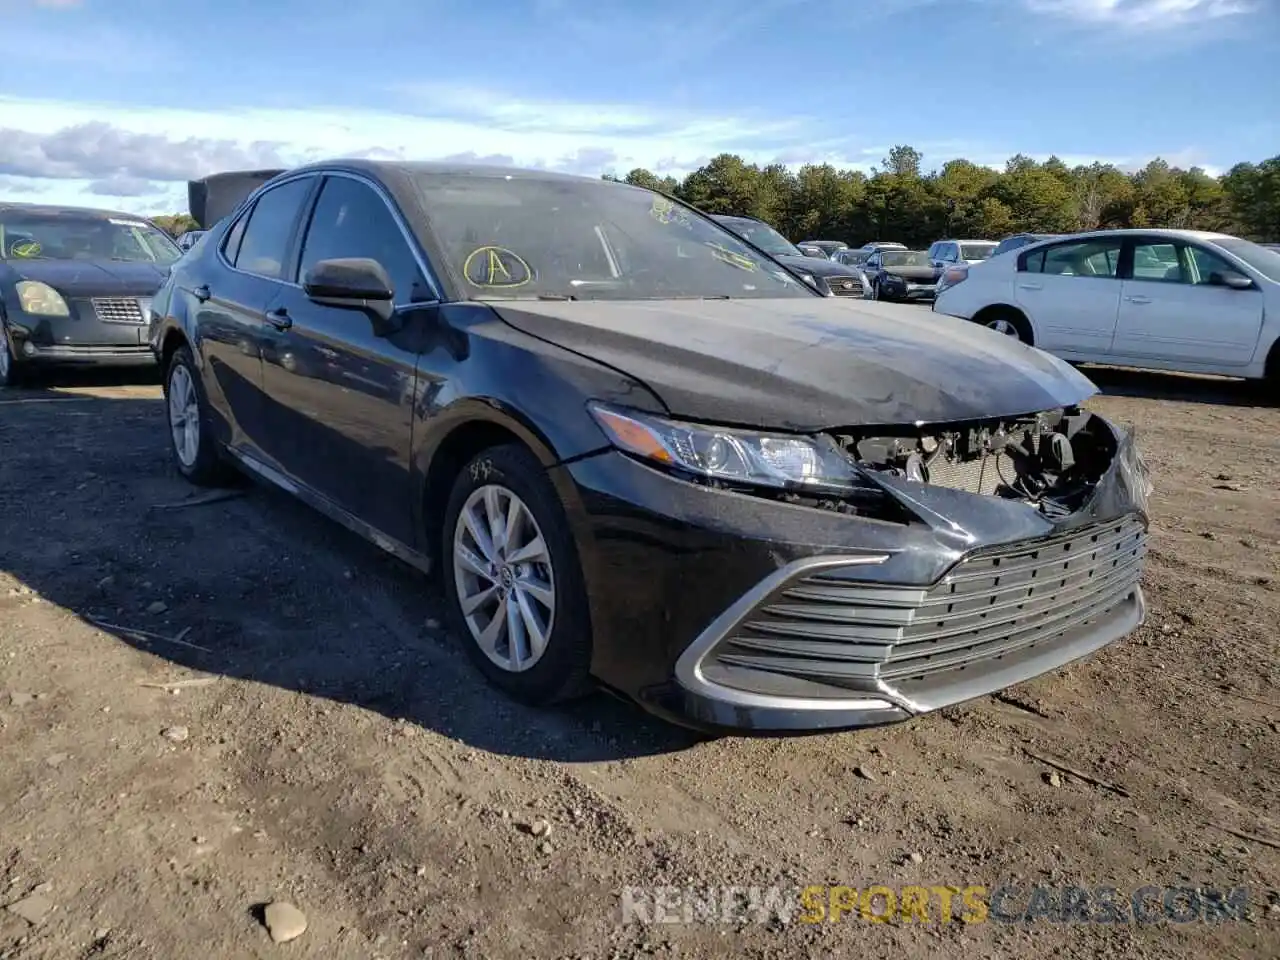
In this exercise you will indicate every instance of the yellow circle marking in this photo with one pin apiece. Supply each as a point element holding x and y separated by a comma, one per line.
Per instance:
<point>496,267</point>
<point>25,248</point>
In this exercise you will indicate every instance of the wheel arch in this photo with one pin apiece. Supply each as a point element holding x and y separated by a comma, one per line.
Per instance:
<point>459,433</point>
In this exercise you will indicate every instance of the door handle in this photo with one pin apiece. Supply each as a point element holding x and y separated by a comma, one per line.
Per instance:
<point>280,319</point>
<point>202,293</point>
<point>1138,299</point>
<point>1031,286</point>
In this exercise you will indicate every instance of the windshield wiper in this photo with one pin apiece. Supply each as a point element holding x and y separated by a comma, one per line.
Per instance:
<point>556,296</point>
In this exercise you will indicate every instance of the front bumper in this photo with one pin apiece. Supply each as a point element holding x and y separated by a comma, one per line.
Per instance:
<point>726,612</point>
<point>99,331</point>
<point>910,293</point>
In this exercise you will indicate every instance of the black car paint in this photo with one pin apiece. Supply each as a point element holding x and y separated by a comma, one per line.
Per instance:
<point>369,429</point>
<point>81,337</point>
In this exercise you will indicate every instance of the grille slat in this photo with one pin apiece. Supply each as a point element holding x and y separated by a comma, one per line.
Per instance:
<point>130,310</point>
<point>829,629</point>
<point>837,285</point>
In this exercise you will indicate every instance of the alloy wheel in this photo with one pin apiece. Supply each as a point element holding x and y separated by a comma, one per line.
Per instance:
<point>184,415</point>
<point>504,578</point>
<point>1002,325</point>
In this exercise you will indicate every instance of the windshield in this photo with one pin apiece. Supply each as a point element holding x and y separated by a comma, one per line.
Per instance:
<point>976,251</point>
<point>1265,261</point>
<point>762,235</point>
<point>852,257</point>
<point>64,236</point>
<point>517,238</point>
<point>905,258</point>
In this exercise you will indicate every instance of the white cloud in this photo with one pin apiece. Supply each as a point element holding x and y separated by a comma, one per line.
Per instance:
<point>1145,14</point>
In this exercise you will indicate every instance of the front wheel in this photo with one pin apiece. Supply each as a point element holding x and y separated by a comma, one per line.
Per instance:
<point>8,362</point>
<point>514,589</point>
<point>1009,323</point>
<point>191,442</point>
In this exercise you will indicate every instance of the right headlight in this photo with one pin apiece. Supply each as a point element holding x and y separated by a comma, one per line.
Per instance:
<point>782,461</point>
<point>41,300</point>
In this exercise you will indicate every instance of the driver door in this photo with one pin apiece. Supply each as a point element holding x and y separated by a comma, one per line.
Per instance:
<point>340,395</point>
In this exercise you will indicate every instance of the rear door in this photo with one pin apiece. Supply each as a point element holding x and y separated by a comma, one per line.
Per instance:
<point>230,308</point>
<point>1071,293</point>
<point>340,394</point>
<point>1174,312</point>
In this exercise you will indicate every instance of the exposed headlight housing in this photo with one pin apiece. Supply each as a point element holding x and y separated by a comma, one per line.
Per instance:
<point>41,300</point>
<point>792,462</point>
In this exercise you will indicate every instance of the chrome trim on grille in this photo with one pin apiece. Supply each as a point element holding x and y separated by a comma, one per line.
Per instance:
<point>828,634</point>
<point>130,310</point>
<point>837,285</point>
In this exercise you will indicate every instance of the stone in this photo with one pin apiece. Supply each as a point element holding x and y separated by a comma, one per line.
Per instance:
<point>284,921</point>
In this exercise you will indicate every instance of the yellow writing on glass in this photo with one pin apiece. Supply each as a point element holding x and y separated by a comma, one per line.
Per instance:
<point>496,267</point>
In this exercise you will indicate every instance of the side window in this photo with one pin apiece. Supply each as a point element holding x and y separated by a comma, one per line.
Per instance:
<point>1206,264</point>
<point>1084,258</point>
<point>231,245</point>
<point>1032,262</point>
<point>1157,262</point>
<point>952,252</point>
<point>935,251</point>
<point>265,243</point>
<point>352,220</point>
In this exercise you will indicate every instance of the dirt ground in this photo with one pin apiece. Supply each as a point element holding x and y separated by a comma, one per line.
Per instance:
<point>341,755</point>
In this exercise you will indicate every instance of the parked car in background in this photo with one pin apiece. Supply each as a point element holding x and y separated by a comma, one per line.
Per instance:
<point>1019,240</point>
<point>903,275</point>
<point>875,245</point>
<point>948,253</point>
<point>852,258</point>
<point>190,239</point>
<point>839,279</point>
<point>76,286</point>
<point>829,248</point>
<point>1162,299</point>
<point>525,381</point>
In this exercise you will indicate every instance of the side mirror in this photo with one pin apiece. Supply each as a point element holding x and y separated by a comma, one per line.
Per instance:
<point>353,283</point>
<point>1235,281</point>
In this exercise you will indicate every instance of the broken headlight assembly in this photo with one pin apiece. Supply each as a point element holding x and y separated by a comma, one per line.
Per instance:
<point>732,457</point>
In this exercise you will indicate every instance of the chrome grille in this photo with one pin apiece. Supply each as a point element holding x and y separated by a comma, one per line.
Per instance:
<point>832,630</point>
<point>121,309</point>
<point>845,286</point>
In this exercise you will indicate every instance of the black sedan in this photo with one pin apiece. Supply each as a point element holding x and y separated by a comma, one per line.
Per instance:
<point>902,275</point>
<point>640,453</point>
<point>840,280</point>
<point>76,286</point>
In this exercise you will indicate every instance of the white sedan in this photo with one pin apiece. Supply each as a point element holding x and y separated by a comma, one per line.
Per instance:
<point>1158,299</point>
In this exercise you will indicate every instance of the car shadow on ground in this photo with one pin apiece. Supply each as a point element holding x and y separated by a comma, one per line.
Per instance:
<point>255,585</point>
<point>1187,388</point>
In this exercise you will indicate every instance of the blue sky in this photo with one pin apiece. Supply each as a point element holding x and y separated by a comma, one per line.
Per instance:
<point>118,102</point>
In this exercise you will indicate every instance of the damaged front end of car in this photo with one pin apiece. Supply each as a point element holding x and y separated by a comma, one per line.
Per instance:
<point>988,553</point>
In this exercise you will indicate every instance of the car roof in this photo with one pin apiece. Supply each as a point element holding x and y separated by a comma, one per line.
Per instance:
<point>378,168</point>
<point>80,213</point>
<point>1163,232</point>
<point>963,240</point>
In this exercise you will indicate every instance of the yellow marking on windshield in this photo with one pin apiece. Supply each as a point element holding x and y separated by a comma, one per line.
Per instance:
<point>725,255</point>
<point>496,267</point>
<point>664,211</point>
<point>25,248</point>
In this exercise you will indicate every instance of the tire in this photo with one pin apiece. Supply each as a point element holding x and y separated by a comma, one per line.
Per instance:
<point>10,371</point>
<point>1011,323</point>
<point>560,669</point>
<point>197,455</point>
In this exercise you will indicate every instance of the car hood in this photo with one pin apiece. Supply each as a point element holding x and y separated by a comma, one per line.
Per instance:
<point>915,274</point>
<point>807,364</point>
<point>93,278</point>
<point>815,267</point>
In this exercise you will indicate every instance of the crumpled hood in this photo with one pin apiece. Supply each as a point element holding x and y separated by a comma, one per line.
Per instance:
<point>807,364</point>
<point>93,278</point>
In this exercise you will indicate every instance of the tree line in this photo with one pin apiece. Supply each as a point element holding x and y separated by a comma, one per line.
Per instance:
<point>899,201</point>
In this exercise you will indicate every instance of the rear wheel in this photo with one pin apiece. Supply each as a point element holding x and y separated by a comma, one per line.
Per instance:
<point>191,442</point>
<point>514,590</point>
<point>1009,322</point>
